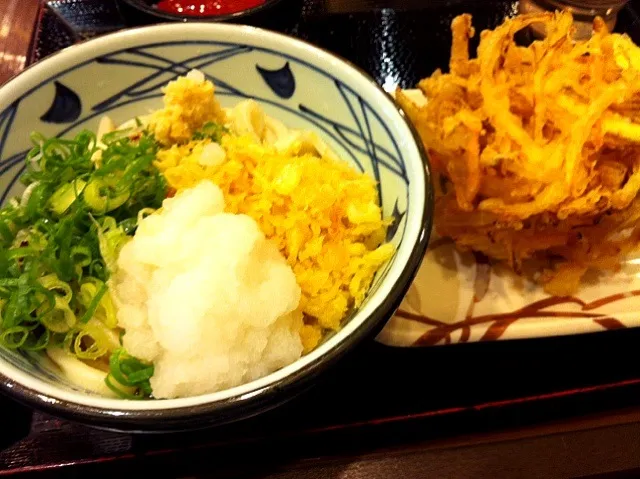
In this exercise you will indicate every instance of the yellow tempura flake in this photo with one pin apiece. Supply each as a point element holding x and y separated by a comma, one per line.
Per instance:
<point>322,214</point>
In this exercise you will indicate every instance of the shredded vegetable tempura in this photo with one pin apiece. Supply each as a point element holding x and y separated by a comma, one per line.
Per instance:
<point>538,147</point>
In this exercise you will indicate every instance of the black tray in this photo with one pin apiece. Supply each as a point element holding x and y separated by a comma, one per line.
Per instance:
<point>378,396</point>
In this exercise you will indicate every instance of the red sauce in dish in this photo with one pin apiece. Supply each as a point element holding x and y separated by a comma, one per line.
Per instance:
<point>199,8</point>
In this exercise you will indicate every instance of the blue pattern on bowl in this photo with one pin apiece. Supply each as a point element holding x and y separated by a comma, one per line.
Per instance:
<point>66,106</point>
<point>354,137</point>
<point>281,81</point>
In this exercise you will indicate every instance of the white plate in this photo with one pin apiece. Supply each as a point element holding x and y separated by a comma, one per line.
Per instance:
<point>456,300</point>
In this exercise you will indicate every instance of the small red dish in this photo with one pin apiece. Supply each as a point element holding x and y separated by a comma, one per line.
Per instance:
<point>267,13</point>
<point>205,8</point>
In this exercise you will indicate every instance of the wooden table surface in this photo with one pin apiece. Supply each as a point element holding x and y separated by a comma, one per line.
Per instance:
<point>17,21</point>
<point>598,445</point>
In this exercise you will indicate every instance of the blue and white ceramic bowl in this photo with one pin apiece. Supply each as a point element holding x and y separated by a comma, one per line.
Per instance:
<point>304,87</point>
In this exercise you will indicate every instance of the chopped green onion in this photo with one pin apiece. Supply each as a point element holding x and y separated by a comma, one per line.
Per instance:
<point>66,195</point>
<point>37,138</point>
<point>93,351</point>
<point>60,319</point>
<point>102,195</point>
<point>58,246</point>
<point>111,239</point>
<point>128,371</point>
<point>35,343</point>
<point>213,131</point>
<point>15,337</point>
<point>120,391</point>
<point>116,135</point>
<point>52,282</point>
<point>93,305</point>
<point>81,255</point>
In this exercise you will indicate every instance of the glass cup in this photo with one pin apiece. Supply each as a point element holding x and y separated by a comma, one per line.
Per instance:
<point>584,11</point>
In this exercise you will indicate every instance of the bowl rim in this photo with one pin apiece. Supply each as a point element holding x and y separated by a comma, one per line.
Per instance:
<point>174,417</point>
<point>143,7</point>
